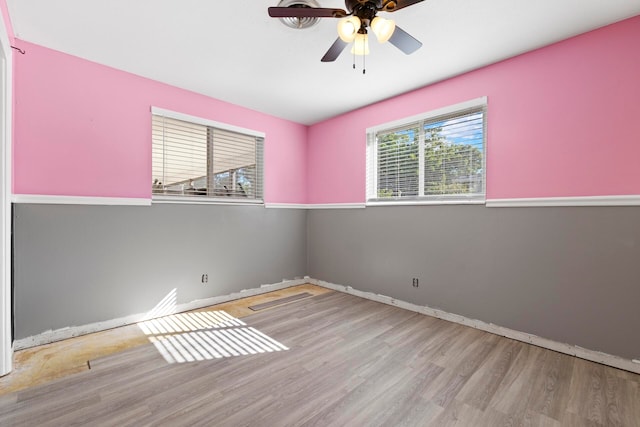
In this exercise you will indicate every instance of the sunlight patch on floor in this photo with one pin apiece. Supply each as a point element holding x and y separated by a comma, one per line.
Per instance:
<point>205,335</point>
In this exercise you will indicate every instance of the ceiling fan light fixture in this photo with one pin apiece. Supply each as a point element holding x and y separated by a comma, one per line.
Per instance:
<point>383,28</point>
<point>360,44</point>
<point>348,28</point>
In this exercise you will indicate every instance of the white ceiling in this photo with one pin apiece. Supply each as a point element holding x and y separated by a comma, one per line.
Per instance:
<point>233,51</point>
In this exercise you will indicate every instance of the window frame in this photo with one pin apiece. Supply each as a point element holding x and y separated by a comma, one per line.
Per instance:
<point>161,198</point>
<point>371,194</point>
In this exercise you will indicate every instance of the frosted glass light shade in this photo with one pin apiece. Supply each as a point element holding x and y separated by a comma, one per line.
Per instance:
<point>360,45</point>
<point>348,28</point>
<point>383,28</point>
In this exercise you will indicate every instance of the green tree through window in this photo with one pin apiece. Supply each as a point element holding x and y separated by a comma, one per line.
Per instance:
<point>443,157</point>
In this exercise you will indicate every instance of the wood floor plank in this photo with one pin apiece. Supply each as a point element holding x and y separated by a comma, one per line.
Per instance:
<point>516,390</point>
<point>551,388</point>
<point>406,405</point>
<point>445,345</point>
<point>416,327</point>
<point>313,391</point>
<point>279,301</point>
<point>105,413</point>
<point>622,402</point>
<point>484,383</point>
<point>544,421</point>
<point>467,364</point>
<point>47,411</point>
<point>459,414</point>
<point>587,397</point>
<point>354,406</point>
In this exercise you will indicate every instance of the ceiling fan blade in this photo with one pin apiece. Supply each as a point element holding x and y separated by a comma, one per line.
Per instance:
<point>306,12</point>
<point>393,5</point>
<point>334,51</point>
<point>404,41</point>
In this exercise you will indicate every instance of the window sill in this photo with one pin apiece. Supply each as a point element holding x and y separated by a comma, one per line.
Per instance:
<point>157,199</point>
<point>426,202</point>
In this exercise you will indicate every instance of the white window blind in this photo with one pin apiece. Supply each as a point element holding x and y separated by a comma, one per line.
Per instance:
<point>196,160</point>
<point>433,158</point>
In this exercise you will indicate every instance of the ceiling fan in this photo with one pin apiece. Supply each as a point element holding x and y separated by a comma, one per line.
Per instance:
<point>354,22</point>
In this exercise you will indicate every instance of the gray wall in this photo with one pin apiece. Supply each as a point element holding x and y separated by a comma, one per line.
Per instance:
<point>571,274</point>
<point>76,265</point>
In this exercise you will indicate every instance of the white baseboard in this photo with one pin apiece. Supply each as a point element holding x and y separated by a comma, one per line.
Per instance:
<point>583,353</point>
<point>48,337</point>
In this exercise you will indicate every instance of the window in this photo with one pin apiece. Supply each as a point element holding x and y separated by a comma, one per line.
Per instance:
<point>196,158</point>
<point>438,156</point>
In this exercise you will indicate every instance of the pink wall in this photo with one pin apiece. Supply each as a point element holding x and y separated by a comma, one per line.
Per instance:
<point>562,121</point>
<point>84,129</point>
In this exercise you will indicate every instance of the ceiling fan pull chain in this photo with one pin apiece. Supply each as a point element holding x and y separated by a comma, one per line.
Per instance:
<point>364,64</point>
<point>354,58</point>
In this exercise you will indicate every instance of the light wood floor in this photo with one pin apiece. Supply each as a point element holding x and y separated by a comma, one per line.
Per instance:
<point>350,362</point>
<point>41,364</point>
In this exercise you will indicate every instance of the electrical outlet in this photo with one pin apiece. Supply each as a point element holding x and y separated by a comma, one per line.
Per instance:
<point>415,282</point>
<point>205,278</point>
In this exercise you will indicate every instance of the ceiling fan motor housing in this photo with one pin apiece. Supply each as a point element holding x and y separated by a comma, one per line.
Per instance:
<point>386,5</point>
<point>365,9</point>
